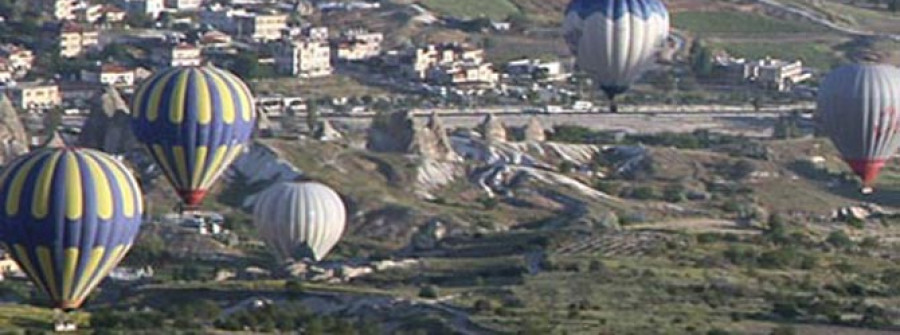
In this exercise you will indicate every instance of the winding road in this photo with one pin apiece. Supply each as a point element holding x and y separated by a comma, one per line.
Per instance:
<point>818,19</point>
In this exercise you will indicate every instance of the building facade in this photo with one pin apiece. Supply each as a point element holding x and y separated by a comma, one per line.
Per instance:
<point>75,39</point>
<point>35,96</point>
<point>182,54</point>
<point>184,4</point>
<point>304,58</point>
<point>109,74</point>
<point>355,45</point>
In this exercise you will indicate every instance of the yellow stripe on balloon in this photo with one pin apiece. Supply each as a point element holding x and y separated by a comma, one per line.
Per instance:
<point>156,96</point>
<point>210,170</point>
<point>27,265</point>
<point>246,99</point>
<point>70,264</point>
<point>125,187</point>
<point>199,166</point>
<point>179,95</point>
<point>45,259</point>
<point>163,160</point>
<point>233,152</point>
<point>114,256</point>
<point>18,183</point>
<point>43,193</point>
<point>74,196</point>
<point>181,164</point>
<point>225,98</point>
<point>202,97</point>
<point>103,191</point>
<point>89,270</point>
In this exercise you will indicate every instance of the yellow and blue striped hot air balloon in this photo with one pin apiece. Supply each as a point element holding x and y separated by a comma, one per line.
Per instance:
<point>194,121</point>
<point>67,217</point>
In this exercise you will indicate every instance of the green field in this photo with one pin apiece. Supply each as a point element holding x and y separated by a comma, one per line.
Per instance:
<point>728,22</point>
<point>817,55</point>
<point>495,9</point>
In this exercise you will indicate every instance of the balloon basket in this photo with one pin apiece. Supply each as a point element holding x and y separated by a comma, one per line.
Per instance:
<point>866,190</point>
<point>62,323</point>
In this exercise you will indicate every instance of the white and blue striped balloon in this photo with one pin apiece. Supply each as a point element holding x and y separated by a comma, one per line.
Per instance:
<point>615,40</point>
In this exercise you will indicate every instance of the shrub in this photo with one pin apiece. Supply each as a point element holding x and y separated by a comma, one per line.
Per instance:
<point>784,330</point>
<point>839,239</point>
<point>429,292</point>
<point>643,193</point>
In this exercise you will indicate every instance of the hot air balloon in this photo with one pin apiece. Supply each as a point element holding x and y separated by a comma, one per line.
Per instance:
<point>67,217</point>
<point>614,41</point>
<point>194,121</point>
<point>857,109</point>
<point>300,219</point>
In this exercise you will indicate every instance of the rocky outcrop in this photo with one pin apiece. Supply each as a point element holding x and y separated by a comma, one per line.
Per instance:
<point>13,138</point>
<point>108,127</point>
<point>492,129</point>
<point>429,235</point>
<point>400,132</point>
<point>534,131</point>
<point>326,132</point>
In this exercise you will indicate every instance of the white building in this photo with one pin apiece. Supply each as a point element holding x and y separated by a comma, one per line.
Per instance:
<point>303,58</point>
<point>34,95</point>
<point>6,72</point>
<point>75,39</point>
<point>354,45</point>
<point>182,54</point>
<point>535,69</point>
<point>434,55</point>
<point>109,74</point>
<point>184,4</point>
<point>767,73</point>
<point>257,25</point>
<point>59,9</point>
<point>464,74</point>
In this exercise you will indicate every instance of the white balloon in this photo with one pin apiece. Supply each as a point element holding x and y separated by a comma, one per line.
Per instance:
<point>300,219</point>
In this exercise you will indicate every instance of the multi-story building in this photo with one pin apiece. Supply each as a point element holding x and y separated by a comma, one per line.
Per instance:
<point>264,25</point>
<point>18,59</point>
<point>75,39</point>
<point>109,74</point>
<point>261,26</point>
<point>433,55</point>
<point>182,54</point>
<point>316,33</point>
<point>767,73</point>
<point>304,58</point>
<point>464,74</point>
<point>35,95</point>
<point>354,45</point>
<point>59,9</point>
<point>150,8</point>
<point>184,4</point>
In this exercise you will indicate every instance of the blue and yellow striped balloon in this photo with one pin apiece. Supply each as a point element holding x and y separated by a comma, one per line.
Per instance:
<point>194,121</point>
<point>67,217</point>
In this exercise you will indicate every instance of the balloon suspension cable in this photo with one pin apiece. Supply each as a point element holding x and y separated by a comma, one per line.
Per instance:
<point>613,105</point>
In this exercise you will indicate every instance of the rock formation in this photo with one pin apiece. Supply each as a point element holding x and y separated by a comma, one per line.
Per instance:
<point>13,138</point>
<point>492,129</point>
<point>108,127</point>
<point>400,132</point>
<point>54,141</point>
<point>534,131</point>
<point>263,125</point>
<point>326,132</point>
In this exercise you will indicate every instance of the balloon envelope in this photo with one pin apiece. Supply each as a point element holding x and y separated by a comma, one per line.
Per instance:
<point>857,109</point>
<point>194,121</point>
<point>67,217</point>
<point>300,219</point>
<point>615,40</point>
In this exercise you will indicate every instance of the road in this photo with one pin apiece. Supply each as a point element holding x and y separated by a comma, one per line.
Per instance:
<point>749,125</point>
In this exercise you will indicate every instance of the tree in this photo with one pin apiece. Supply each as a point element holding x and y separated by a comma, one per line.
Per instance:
<point>701,59</point>
<point>429,292</point>
<point>246,65</point>
<point>312,116</point>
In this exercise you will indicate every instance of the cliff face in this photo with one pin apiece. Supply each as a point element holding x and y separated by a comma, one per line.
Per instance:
<point>13,138</point>
<point>108,127</point>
